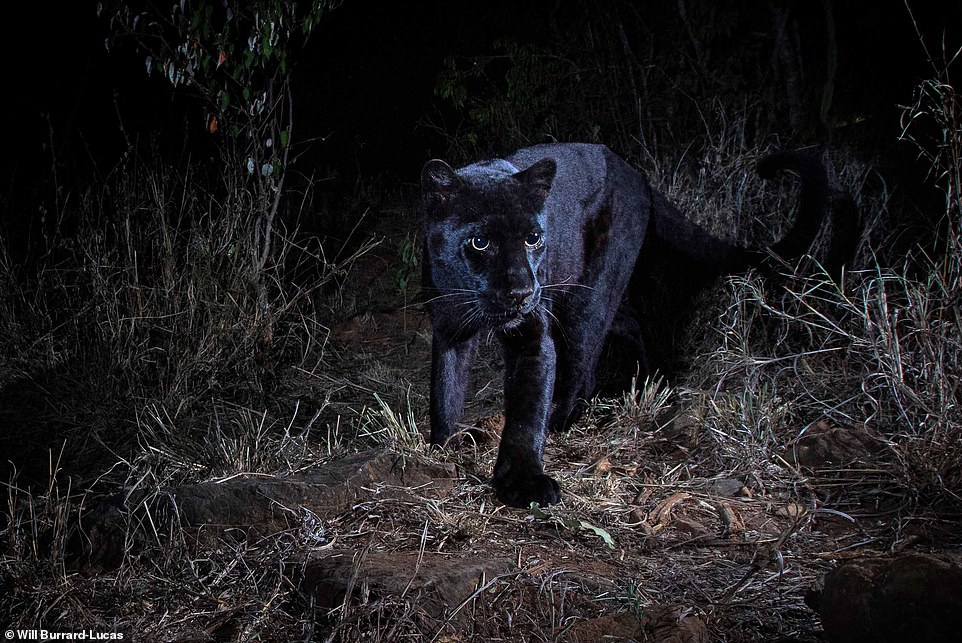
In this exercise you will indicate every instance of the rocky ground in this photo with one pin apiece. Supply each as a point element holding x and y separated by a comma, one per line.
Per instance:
<point>657,539</point>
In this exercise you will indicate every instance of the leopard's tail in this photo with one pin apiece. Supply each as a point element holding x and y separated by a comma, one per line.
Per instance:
<point>670,227</point>
<point>812,199</point>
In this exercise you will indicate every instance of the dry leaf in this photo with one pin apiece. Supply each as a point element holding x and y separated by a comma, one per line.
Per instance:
<point>732,523</point>
<point>661,515</point>
<point>637,519</point>
<point>642,496</point>
<point>791,510</point>
<point>690,527</point>
<point>602,466</point>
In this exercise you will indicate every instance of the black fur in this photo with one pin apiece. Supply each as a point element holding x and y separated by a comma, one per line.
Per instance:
<point>538,250</point>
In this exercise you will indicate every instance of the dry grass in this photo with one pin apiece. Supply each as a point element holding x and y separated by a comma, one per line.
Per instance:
<point>821,421</point>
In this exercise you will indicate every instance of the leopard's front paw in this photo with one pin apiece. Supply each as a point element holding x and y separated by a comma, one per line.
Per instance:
<point>522,490</point>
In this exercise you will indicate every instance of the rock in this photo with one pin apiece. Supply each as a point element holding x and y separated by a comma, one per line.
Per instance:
<point>662,623</point>
<point>439,583</point>
<point>267,504</point>
<point>257,505</point>
<point>730,488</point>
<point>824,445</point>
<point>615,627</point>
<point>912,597</point>
<point>379,329</point>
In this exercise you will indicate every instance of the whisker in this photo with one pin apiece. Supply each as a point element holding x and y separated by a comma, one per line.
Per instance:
<point>566,282</point>
<point>550,313</point>
<point>471,316</point>
<point>458,293</point>
<point>463,296</point>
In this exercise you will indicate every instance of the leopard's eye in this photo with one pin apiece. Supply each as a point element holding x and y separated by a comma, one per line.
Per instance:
<point>534,240</point>
<point>480,243</point>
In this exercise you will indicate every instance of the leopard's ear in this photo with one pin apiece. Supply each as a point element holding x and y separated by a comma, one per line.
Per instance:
<point>439,180</point>
<point>540,175</point>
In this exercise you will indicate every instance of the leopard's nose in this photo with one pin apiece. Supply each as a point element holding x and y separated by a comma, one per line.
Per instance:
<point>521,297</point>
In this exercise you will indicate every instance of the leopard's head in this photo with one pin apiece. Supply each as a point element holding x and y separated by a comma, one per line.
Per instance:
<point>486,240</point>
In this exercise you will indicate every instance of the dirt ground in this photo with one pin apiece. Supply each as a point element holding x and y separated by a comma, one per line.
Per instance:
<point>656,539</point>
<point>652,540</point>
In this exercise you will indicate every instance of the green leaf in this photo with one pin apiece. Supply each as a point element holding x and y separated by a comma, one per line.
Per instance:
<point>572,524</point>
<point>268,28</point>
<point>285,137</point>
<point>536,511</point>
<point>602,533</point>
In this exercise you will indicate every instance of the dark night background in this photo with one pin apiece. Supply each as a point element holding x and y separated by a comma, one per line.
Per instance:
<point>367,81</point>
